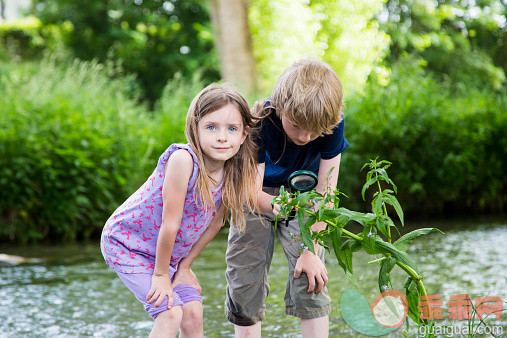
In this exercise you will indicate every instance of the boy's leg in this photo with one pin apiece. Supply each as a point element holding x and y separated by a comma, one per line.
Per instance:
<point>248,257</point>
<point>248,331</point>
<point>315,327</point>
<point>313,308</point>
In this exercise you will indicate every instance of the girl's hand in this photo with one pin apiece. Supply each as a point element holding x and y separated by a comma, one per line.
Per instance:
<point>160,288</point>
<point>186,276</point>
<point>314,268</point>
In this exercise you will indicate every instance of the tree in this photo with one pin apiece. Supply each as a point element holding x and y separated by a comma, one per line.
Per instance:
<point>233,42</point>
<point>152,39</point>
<point>462,40</point>
<point>341,32</point>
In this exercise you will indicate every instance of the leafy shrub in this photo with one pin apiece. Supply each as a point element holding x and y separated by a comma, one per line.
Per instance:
<point>171,110</point>
<point>152,39</point>
<point>28,38</point>
<point>71,148</point>
<point>447,141</point>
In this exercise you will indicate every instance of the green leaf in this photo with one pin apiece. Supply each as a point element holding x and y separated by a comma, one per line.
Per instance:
<point>335,240</point>
<point>383,174</point>
<point>352,244</point>
<point>343,253</point>
<point>368,183</point>
<point>413,300</point>
<point>361,218</point>
<point>303,200</point>
<point>341,221</point>
<point>320,215</point>
<point>369,244</point>
<point>391,200</point>
<point>400,256</point>
<point>382,226</point>
<point>384,277</point>
<point>324,214</point>
<point>376,204</point>
<point>403,242</point>
<point>306,234</point>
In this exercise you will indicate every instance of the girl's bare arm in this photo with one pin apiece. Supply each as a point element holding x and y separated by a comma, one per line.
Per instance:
<point>178,171</point>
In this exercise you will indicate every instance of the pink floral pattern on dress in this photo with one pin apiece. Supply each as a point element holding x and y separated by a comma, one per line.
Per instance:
<point>129,238</point>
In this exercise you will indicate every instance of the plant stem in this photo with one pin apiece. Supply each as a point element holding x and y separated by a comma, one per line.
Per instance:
<point>415,276</point>
<point>377,260</point>
<point>344,231</point>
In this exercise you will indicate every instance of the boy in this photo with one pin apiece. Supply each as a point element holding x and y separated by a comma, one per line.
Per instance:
<point>301,129</point>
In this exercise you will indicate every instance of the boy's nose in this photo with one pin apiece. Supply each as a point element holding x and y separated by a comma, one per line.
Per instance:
<point>304,137</point>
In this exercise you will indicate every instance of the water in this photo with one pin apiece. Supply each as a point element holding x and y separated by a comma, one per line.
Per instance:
<point>71,292</point>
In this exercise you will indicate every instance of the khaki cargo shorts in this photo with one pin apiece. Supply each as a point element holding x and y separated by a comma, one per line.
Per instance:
<point>248,260</point>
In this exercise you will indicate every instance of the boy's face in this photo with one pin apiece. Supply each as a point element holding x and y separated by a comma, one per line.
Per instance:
<point>296,134</point>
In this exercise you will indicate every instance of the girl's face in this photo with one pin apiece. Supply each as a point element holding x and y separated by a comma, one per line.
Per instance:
<point>221,133</point>
<point>296,134</point>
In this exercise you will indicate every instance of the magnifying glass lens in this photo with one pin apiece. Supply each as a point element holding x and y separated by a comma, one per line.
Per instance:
<point>302,182</point>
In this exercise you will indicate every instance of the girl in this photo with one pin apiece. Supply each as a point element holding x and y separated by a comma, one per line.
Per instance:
<point>152,239</point>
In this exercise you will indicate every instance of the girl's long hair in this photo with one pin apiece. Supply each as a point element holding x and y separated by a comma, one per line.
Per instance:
<point>239,182</point>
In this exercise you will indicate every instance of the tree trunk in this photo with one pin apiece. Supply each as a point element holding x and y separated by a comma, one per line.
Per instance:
<point>2,9</point>
<point>233,42</point>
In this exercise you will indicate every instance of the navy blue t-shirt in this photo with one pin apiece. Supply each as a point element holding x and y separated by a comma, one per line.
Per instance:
<point>280,162</point>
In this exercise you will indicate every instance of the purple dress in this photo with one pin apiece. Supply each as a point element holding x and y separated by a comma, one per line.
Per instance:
<point>129,238</point>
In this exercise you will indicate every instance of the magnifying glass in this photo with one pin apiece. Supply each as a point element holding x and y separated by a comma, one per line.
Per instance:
<point>302,180</point>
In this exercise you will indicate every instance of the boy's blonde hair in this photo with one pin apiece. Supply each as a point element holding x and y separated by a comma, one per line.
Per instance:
<point>310,95</point>
<point>240,171</point>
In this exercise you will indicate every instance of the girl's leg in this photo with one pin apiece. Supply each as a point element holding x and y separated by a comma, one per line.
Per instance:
<point>191,323</point>
<point>167,323</point>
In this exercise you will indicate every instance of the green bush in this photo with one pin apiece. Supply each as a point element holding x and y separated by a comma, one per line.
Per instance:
<point>171,110</point>
<point>446,141</point>
<point>72,146</point>
<point>28,39</point>
<point>152,39</point>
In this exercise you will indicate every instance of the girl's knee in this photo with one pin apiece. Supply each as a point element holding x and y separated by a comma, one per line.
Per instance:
<point>169,321</point>
<point>192,316</point>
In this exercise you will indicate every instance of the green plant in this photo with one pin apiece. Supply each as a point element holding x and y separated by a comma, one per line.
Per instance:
<point>73,145</point>
<point>446,139</point>
<point>312,207</point>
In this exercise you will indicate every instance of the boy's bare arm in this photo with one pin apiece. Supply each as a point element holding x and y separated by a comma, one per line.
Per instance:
<point>264,199</point>
<point>308,262</point>
<point>328,179</point>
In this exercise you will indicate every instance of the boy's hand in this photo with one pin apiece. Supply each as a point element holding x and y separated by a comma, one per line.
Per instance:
<point>160,288</point>
<point>276,209</point>
<point>314,268</point>
<point>186,276</point>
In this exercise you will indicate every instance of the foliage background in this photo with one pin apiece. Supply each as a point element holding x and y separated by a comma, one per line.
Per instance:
<point>92,93</point>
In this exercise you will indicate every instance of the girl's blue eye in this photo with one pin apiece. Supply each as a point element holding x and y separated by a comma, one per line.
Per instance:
<point>232,129</point>
<point>211,127</point>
